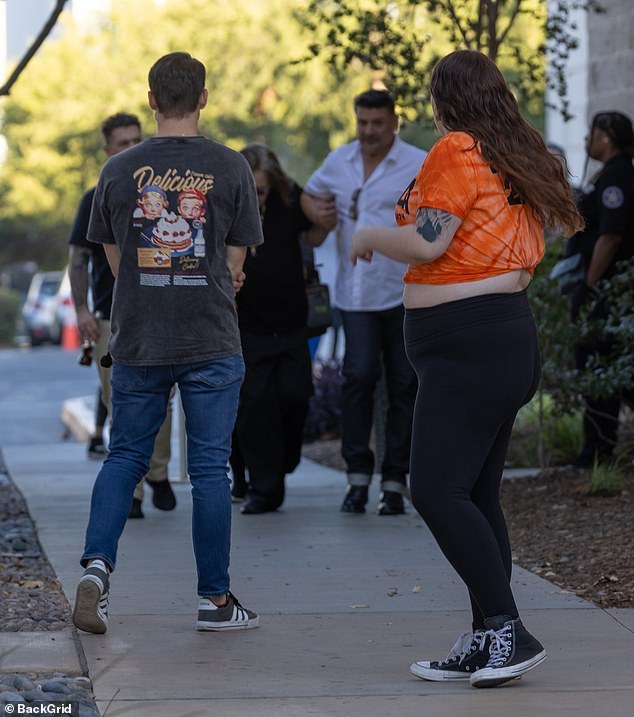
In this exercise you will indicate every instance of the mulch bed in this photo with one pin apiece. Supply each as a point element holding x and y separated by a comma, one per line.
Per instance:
<point>583,543</point>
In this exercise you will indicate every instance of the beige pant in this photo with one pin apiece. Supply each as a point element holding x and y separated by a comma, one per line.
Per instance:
<point>161,457</point>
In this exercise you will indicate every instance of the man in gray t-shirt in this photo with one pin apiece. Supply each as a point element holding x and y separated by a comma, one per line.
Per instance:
<point>175,215</point>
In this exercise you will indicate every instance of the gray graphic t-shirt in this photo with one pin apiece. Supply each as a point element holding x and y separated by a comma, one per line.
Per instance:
<point>172,205</point>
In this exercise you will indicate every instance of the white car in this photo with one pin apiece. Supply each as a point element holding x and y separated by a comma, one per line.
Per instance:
<point>40,308</point>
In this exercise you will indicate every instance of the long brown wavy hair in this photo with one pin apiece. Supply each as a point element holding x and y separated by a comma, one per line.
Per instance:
<point>471,95</point>
<point>260,157</point>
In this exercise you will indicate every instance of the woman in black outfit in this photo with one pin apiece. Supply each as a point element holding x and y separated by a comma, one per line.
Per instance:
<point>607,205</point>
<point>272,312</point>
<point>471,230</point>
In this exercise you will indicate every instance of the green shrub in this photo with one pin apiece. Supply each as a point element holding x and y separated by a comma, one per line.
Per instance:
<point>543,436</point>
<point>9,307</point>
<point>606,479</point>
<point>549,429</point>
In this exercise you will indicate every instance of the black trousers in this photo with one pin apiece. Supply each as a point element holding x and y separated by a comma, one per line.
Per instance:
<point>372,338</point>
<point>477,362</point>
<point>272,411</point>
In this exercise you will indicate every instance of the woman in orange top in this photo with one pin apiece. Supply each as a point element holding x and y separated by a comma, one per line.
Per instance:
<point>471,229</point>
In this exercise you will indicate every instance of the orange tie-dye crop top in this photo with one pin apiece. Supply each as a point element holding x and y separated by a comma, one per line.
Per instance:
<point>498,234</point>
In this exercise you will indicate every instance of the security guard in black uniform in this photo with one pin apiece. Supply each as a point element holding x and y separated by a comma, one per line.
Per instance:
<point>607,205</point>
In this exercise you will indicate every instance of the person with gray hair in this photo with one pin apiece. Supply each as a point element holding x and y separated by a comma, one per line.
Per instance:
<point>356,186</point>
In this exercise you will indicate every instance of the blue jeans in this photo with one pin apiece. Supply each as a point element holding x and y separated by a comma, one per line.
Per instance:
<point>209,392</point>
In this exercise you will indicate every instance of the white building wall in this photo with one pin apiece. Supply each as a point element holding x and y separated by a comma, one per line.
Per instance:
<point>570,135</point>
<point>600,76</point>
<point>611,61</point>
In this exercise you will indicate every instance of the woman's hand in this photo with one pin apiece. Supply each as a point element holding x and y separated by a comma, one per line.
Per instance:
<point>361,248</point>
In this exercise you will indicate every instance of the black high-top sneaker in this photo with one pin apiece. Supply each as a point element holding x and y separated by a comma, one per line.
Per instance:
<point>513,651</point>
<point>468,655</point>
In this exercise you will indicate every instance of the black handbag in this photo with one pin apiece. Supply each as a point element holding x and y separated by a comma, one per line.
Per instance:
<point>319,316</point>
<point>570,273</point>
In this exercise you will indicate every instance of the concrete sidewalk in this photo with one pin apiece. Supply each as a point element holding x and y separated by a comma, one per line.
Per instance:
<point>346,603</point>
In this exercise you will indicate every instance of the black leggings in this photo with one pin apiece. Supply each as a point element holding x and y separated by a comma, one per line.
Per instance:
<point>477,362</point>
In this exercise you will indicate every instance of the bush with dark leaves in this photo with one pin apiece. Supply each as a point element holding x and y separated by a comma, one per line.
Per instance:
<point>324,411</point>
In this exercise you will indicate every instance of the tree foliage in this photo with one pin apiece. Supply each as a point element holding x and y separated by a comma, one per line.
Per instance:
<point>51,118</point>
<point>401,40</point>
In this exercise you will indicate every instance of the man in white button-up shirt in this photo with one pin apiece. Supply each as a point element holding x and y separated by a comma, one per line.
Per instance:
<point>358,185</point>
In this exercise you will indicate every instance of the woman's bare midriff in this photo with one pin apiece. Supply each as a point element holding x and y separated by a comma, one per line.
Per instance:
<point>420,296</point>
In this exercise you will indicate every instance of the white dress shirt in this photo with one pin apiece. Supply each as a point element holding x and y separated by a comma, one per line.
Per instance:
<point>376,285</point>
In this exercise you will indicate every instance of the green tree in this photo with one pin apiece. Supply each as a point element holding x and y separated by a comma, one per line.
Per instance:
<point>401,41</point>
<point>51,118</point>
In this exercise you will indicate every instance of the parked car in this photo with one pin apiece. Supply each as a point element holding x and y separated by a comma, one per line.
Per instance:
<point>39,310</point>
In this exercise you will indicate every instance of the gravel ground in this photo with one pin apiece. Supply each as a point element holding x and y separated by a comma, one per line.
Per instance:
<point>37,689</point>
<point>583,543</point>
<point>31,600</point>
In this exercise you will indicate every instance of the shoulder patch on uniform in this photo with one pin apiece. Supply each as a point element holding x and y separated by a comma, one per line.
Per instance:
<point>612,197</point>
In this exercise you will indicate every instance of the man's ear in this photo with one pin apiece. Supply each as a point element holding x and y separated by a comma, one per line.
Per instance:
<point>151,101</point>
<point>202,100</point>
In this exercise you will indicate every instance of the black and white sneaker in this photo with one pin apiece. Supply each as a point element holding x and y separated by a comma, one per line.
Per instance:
<point>90,612</point>
<point>513,651</point>
<point>465,657</point>
<point>231,616</point>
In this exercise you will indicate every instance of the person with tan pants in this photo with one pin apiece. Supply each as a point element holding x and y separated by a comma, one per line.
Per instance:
<point>120,131</point>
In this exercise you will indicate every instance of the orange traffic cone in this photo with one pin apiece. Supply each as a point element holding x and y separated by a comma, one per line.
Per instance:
<point>70,337</point>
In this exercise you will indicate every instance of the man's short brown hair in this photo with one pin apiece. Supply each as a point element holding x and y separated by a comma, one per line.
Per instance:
<point>176,81</point>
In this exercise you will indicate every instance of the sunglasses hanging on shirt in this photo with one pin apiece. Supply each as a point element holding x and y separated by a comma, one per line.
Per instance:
<point>353,212</point>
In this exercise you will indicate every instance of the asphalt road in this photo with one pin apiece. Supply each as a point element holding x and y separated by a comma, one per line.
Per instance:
<point>34,382</point>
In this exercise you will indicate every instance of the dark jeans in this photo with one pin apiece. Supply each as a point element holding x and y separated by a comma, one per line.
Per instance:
<point>373,337</point>
<point>272,411</point>
<point>477,362</point>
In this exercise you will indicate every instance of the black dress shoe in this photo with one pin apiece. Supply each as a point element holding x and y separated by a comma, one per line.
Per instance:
<point>163,496</point>
<point>391,503</point>
<point>355,499</point>
<point>253,506</point>
<point>135,510</point>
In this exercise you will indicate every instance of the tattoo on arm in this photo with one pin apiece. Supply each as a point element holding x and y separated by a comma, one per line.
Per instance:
<point>433,224</point>
<point>78,274</point>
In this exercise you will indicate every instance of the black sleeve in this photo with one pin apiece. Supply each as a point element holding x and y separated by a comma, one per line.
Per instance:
<point>100,225</point>
<point>300,221</point>
<point>615,201</point>
<point>79,233</point>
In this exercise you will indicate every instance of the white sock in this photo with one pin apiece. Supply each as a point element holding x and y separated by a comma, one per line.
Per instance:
<point>210,603</point>
<point>98,563</point>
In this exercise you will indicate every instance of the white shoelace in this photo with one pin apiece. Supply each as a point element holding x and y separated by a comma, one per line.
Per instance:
<point>465,645</point>
<point>500,648</point>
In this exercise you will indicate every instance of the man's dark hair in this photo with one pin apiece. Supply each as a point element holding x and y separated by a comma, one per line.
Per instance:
<point>374,99</point>
<point>176,81</point>
<point>121,119</point>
